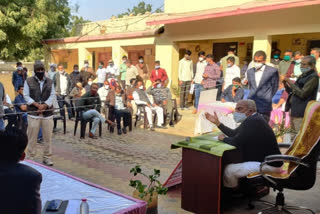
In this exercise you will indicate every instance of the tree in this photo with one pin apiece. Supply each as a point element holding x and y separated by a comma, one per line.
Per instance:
<point>25,23</point>
<point>141,8</point>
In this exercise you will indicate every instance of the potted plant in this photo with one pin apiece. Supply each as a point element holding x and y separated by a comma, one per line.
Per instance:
<point>148,192</point>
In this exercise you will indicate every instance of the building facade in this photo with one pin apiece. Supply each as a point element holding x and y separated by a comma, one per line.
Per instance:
<point>213,26</point>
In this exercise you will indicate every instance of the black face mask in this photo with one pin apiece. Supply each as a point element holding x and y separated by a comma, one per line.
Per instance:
<point>40,75</point>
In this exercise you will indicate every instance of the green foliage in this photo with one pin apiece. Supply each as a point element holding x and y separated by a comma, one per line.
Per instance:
<point>154,183</point>
<point>25,23</point>
<point>141,8</point>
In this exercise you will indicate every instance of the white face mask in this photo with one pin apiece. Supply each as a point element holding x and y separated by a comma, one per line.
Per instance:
<point>298,61</point>
<point>90,82</point>
<point>159,85</point>
<point>200,58</point>
<point>239,117</point>
<point>141,87</point>
<point>106,87</point>
<point>157,66</point>
<point>229,65</point>
<point>303,70</point>
<point>141,60</point>
<point>86,65</point>
<point>258,65</point>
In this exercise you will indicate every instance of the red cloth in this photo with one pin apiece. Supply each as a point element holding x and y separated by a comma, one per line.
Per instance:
<point>290,70</point>
<point>162,75</point>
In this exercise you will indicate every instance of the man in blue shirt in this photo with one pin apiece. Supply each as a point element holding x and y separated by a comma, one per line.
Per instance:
<point>18,77</point>
<point>20,105</point>
<point>234,92</point>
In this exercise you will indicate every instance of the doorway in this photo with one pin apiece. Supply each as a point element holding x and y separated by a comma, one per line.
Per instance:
<point>221,49</point>
<point>312,44</point>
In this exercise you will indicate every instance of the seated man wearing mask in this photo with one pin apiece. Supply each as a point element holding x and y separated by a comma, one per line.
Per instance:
<point>233,93</point>
<point>253,138</point>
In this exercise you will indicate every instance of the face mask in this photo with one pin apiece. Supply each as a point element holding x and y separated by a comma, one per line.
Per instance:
<point>76,71</point>
<point>52,69</point>
<point>141,87</point>
<point>86,65</point>
<point>39,74</point>
<point>258,65</point>
<point>313,55</point>
<point>201,58</point>
<point>124,61</point>
<point>298,61</point>
<point>19,68</point>
<point>90,82</point>
<point>286,58</point>
<point>106,87</point>
<point>276,56</point>
<point>303,70</point>
<point>229,65</point>
<point>236,86</point>
<point>159,85</point>
<point>141,60</point>
<point>111,64</point>
<point>239,117</point>
<point>100,66</point>
<point>157,66</point>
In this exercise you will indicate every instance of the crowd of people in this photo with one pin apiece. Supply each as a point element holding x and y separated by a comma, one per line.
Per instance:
<point>115,94</point>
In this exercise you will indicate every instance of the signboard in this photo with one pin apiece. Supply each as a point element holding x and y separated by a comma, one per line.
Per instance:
<point>176,176</point>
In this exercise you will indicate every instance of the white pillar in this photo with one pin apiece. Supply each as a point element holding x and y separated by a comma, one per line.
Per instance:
<point>263,42</point>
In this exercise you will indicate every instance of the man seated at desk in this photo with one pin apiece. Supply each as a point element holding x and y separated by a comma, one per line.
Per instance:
<point>253,138</point>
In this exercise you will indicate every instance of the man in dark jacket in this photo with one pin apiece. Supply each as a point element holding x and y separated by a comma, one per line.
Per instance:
<point>19,183</point>
<point>39,94</point>
<point>18,77</point>
<point>90,102</point>
<point>301,92</point>
<point>263,83</point>
<point>234,92</point>
<point>254,138</point>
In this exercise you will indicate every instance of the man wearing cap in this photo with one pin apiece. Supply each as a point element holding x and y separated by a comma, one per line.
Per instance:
<point>86,73</point>
<point>39,94</point>
<point>18,77</point>
<point>52,72</point>
<point>112,71</point>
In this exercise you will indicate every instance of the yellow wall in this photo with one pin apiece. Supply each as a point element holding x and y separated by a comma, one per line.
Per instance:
<point>66,57</point>
<point>180,6</point>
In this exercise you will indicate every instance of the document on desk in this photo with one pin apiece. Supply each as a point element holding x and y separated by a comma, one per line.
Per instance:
<point>215,138</point>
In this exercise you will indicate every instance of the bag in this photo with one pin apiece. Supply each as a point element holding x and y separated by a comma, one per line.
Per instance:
<point>191,89</point>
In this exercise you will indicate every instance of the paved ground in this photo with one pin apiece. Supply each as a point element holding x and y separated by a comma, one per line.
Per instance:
<point>107,161</point>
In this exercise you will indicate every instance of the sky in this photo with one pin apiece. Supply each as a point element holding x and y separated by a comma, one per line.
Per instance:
<point>96,10</point>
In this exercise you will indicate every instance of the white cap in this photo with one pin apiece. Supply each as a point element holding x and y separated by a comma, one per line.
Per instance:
<point>53,65</point>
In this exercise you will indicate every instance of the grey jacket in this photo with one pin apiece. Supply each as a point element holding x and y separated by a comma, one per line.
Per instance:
<point>2,97</point>
<point>56,81</point>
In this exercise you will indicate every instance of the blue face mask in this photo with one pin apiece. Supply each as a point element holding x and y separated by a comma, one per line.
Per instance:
<point>276,56</point>
<point>239,117</point>
<point>304,70</point>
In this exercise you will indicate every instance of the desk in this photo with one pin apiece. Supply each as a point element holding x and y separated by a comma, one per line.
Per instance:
<point>59,185</point>
<point>203,159</point>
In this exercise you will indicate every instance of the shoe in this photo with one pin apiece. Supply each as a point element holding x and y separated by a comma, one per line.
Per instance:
<point>182,108</point>
<point>40,141</point>
<point>124,130</point>
<point>91,135</point>
<point>171,124</point>
<point>186,108</point>
<point>55,130</point>
<point>119,132</point>
<point>194,111</point>
<point>161,127</point>
<point>151,128</point>
<point>47,162</point>
<point>72,119</point>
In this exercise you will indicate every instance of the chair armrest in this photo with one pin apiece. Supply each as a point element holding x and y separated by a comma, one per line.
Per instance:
<point>284,145</point>
<point>277,158</point>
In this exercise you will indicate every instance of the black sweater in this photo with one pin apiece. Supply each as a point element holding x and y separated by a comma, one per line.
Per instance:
<point>254,138</point>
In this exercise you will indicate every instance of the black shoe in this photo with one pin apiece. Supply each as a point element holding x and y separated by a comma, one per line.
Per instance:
<point>40,141</point>
<point>171,124</point>
<point>124,130</point>
<point>119,132</point>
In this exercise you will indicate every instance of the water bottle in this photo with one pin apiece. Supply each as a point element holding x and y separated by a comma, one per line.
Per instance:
<point>84,207</point>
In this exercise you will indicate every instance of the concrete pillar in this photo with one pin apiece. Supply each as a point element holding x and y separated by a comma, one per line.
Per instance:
<point>117,53</point>
<point>84,54</point>
<point>263,42</point>
<point>168,54</point>
<point>47,56</point>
